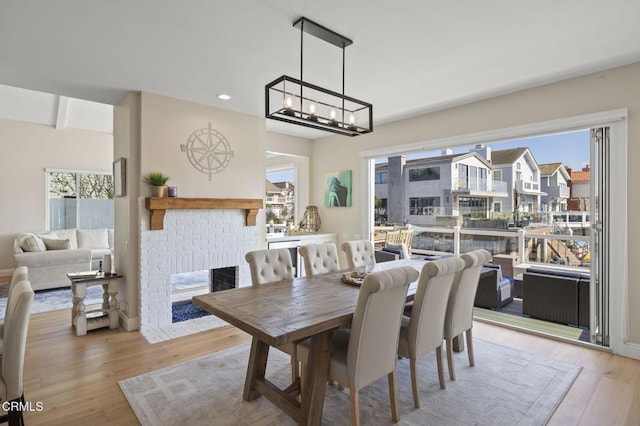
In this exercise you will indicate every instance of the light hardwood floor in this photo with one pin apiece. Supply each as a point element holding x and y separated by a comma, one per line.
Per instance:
<point>76,378</point>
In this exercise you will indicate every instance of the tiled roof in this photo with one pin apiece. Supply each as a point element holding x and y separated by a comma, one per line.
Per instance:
<point>507,156</point>
<point>582,176</point>
<point>271,187</point>
<point>548,169</point>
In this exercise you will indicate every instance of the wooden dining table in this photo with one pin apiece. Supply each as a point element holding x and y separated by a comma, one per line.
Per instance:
<point>287,312</point>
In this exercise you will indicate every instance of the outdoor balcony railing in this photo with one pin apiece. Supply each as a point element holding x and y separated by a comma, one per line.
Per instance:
<point>526,186</point>
<point>476,184</point>
<point>530,247</point>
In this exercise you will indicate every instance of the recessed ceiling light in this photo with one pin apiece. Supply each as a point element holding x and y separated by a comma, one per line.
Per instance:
<point>224,96</point>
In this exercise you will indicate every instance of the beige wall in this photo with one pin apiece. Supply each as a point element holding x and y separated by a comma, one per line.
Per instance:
<point>27,149</point>
<point>603,91</point>
<point>149,130</point>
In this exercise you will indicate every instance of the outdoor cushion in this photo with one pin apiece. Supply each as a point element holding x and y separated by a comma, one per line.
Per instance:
<point>565,274</point>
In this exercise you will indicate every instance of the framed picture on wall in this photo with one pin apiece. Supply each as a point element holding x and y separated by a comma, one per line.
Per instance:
<point>119,177</point>
<point>337,192</point>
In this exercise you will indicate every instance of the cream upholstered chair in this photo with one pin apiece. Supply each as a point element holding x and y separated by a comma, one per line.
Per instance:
<point>424,330</point>
<point>459,318</point>
<point>359,253</point>
<point>15,342</point>
<point>268,266</point>
<point>19,274</point>
<point>368,350</point>
<point>320,259</point>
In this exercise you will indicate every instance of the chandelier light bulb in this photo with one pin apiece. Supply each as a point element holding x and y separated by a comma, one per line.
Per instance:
<point>312,109</point>
<point>332,114</point>
<point>352,119</point>
<point>288,102</point>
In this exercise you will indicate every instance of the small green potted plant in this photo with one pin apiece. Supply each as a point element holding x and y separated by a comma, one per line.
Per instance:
<point>157,180</point>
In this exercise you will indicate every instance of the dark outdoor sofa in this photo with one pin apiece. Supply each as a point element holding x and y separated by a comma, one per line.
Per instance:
<point>556,296</point>
<point>494,290</point>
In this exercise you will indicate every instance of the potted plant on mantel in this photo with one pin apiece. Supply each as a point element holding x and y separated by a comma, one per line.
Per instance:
<point>157,180</point>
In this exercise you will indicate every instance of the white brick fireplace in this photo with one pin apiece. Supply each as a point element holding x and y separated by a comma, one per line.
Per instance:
<point>192,240</point>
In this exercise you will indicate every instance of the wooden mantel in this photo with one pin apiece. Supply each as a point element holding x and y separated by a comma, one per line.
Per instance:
<point>158,207</point>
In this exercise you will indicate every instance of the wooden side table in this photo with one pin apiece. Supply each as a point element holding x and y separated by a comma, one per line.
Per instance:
<point>105,315</point>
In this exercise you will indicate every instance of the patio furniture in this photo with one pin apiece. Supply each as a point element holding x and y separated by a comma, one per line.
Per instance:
<point>555,296</point>
<point>494,290</point>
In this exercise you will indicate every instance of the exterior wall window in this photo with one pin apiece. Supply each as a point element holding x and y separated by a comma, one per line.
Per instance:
<point>497,175</point>
<point>80,200</point>
<point>483,178</point>
<point>463,176</point>
<point>427,173</point>
<point>518,166</point>
<point>382,177</point>
<point>497,207</point>
<point>423,205</point>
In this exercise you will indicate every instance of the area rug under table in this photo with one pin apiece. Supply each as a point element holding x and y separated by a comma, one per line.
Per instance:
<point>506,387</point>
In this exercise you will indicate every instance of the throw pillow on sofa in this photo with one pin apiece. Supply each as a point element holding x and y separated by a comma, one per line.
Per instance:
<point>57,244</point>
<point>68,234</point>
<point>31,242</point>
<point>93,238</point>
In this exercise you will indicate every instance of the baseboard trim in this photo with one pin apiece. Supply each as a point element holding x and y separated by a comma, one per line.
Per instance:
<point>631,350</point>
<point>129,324</point>
<point>6,273</point>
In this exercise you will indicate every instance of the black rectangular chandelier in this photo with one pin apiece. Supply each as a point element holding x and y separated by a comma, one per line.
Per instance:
<point>296,101</point>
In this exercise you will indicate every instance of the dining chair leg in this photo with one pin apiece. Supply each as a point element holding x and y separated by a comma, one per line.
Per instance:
<point>355,407</point>
<point>472,360</point>
<point>414,382</point>
<point>452,373</point>
<point>443,384</point>
<point>393,397</point>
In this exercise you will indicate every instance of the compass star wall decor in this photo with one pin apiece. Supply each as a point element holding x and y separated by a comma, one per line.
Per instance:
<point>208,151</point>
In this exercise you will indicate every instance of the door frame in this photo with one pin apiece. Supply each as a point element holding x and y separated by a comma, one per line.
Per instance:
<point>617,121</point>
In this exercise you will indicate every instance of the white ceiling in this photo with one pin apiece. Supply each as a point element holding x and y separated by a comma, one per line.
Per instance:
<point>407,57</point>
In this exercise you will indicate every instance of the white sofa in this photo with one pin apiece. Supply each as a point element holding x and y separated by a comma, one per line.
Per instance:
<point>51,255</point>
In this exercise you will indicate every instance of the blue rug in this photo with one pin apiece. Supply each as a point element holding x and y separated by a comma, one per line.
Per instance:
<point>59,298</point>
<point>186,311</point>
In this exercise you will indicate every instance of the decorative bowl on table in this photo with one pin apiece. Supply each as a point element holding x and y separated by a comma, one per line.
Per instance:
<point>353,278</point>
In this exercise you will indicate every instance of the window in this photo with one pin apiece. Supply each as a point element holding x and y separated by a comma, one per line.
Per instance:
<point>463,176</point>
<point>423,205</point>
<point>497,175</point>
<point>483,178</point>
<point>497,206</point>
<point>518,166</point>
<point>79,199</point>
<point>427,173</point>
<point>382,177</point>
<point>280,199</point>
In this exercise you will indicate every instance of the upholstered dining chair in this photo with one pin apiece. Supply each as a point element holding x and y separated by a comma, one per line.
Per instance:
<point>320,259</point>
<point>12,360</point>
<point>359,253</point>
<point>367,351</point>
<point>21,273</point>
<point>268,266</point>
<point>424,330</point>
<point>459,318</point>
